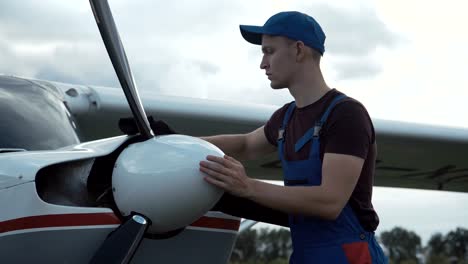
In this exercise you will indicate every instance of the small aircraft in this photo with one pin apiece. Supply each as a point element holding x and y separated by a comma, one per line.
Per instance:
<point>73,189</point>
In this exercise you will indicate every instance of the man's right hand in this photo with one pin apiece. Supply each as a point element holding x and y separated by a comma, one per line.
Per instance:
<point>159,127</point>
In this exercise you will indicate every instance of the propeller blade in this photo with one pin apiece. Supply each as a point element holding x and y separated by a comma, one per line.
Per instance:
<point>111,38</point>
<point>120,246</point>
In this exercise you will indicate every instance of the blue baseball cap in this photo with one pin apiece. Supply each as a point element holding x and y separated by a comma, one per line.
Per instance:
<point>292,24</point>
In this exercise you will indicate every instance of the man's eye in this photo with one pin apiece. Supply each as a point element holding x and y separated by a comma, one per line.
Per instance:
<point>267,51</point>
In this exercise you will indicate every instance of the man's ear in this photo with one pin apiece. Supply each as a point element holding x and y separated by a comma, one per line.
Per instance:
<point>301,50</point>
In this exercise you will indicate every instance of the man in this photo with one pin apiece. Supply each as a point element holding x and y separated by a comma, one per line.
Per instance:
<point>326,144</point>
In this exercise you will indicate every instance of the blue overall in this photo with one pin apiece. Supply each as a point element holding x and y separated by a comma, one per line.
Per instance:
<point>322,241</point>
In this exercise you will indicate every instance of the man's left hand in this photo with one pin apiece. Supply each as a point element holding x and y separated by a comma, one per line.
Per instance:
<point>228,174</point>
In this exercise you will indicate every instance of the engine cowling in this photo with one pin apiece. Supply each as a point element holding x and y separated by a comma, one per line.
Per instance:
<point>160,178</point>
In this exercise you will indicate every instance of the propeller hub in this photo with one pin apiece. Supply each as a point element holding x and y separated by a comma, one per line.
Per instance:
<point>160,178</point>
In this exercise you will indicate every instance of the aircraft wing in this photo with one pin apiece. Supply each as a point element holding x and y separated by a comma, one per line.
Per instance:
<point>409,155</point>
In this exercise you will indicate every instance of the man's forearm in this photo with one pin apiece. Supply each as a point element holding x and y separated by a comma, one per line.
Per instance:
<point>245,208</point>
<point>300,200</point>
<point>232,145</point>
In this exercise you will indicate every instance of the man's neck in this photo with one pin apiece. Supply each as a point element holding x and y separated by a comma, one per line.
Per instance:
<point>308,91</point>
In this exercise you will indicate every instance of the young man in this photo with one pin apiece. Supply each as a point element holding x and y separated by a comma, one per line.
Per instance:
<point>326,144</point>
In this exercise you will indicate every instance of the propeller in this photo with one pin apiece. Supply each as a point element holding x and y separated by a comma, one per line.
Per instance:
<point>142,182</point>
<point>121,245</point>
<point>110,36</point>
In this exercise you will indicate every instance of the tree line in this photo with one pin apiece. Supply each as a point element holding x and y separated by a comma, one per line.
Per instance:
<point>402,246</point>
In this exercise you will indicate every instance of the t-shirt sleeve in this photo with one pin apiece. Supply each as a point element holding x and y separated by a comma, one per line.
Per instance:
<point>349,130</point>
<point>273,125</point>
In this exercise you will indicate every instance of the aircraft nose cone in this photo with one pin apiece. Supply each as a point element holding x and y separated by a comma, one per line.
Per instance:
<point>160,179</point>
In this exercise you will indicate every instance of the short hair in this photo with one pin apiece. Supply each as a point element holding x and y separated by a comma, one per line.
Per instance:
<point>315,54</point>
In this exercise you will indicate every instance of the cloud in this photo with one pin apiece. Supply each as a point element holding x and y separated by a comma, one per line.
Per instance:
<point>353,32</point>
<point>52,40</point>
<point>191,48</point>
<point>6,56</point>
<point>354,36</point>
<point>206,67</point>
<point>355,68</point>
<point>45,21</point>
<point>169,18</point>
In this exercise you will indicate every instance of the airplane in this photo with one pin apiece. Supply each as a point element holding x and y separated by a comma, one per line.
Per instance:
<point>75,189</point>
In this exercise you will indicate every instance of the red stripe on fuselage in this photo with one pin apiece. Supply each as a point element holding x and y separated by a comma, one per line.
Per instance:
<point>218,223</point>
<point>58,220</point>
<point>94,219</point>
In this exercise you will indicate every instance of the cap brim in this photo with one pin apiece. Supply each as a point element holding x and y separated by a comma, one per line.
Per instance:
<point>252,34</point>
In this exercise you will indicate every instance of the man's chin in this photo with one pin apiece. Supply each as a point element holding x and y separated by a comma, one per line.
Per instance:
<point>277,86</point>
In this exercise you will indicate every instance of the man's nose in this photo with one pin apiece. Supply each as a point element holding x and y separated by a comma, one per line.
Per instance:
<point>263,63</point>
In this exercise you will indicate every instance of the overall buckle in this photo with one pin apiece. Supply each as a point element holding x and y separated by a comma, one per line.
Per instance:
<point>317,128</point>
<point>281,134</point>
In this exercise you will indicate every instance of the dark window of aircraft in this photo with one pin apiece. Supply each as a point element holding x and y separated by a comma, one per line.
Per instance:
<point>32,117</point>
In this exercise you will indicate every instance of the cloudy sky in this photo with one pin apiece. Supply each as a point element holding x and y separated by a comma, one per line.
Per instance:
<point>403,59</point>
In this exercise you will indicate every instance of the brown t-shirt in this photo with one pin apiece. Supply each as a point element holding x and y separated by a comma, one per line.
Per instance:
<point>348,130</point>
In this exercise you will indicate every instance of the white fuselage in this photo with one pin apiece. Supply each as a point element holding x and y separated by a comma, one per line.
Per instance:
<point>34,230</point>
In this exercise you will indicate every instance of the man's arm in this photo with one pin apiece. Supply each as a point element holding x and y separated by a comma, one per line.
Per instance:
<point>339,176</point>
<point>243,146</point>
<point>247,146</point>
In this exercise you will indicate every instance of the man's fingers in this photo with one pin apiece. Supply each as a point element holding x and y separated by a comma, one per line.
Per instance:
<point>215,158</point>
<point>212,173</point>
<point>232,159</point>
<point>216,182</point>
<point>214,166</point>
<point>221,160</point>
<point>226,161</point>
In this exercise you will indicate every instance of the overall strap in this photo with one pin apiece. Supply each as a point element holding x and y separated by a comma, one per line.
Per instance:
<point>286,118</point>
<point>318,125</point>
<point>281,132</point>
<point>314,132</point>
<point>330,107</point>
